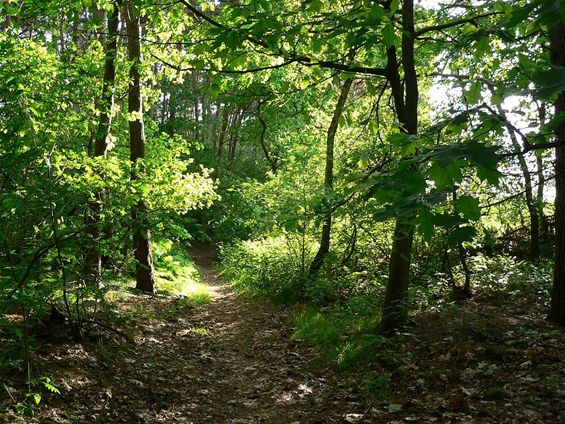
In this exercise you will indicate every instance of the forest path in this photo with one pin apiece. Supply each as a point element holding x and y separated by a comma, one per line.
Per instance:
<point>230,361</point>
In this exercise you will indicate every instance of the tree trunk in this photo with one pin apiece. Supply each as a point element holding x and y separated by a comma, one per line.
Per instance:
<point>528,189</point>
<point>93,259</point>
<point>557,311</point>
<point>234,136</point>
<point>141,236</point>
<point>272,161</point>
<point>406,103</point>
<point>195,89</point>
<point>543,225</point>
<point>172,114</point>
<point>7,18</point>
<point>221,139</point>
<point>329,178</point>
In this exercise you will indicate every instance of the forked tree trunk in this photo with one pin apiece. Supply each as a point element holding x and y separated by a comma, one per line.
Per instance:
<point>328,179</point>
<point>141,234</point>
<point>93,259</point>
<point>557,311</point>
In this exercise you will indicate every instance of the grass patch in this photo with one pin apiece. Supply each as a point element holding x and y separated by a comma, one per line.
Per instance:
<point>200,331</point>
<point>344,334</point>
<point>176,274</point>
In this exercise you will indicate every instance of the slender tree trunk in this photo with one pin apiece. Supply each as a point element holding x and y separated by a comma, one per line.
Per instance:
<point>195,89</point>
<point>7,18</point>
<point>543,226</point>
<point>172,113</point>
<point>234,136</point>
<point>318,260</point>
<point>395,308</point>
<point>99,15</point>
<point>217,121</point>
<point>557,311</point>
<point>221,139</point>
<point>530,201</point>
<point>141,235</point>
<point>206,113</point>
<point>528,189</point>
<point>272,161</point>
<point>93,260</point>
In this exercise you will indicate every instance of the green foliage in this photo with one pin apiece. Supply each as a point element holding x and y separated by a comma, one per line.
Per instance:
<point>273,267</point>
<point>508,276</point>
<point>344,333</point>
<point>237,111</point>
<point>176,273</point>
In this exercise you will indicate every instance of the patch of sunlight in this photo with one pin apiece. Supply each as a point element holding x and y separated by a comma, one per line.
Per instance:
<point>118,294</point>
<point>197,292</point>
<point>301,391</point>
<point>200,331</point>
<point>176,274</point>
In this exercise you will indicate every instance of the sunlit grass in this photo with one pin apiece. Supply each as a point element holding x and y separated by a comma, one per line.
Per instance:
<point>197,293</point>
<point>345,336</point>
<point>200,331</point>
<point>176,274</point>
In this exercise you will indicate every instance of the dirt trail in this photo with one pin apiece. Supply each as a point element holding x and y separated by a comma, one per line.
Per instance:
<point>232,361</point>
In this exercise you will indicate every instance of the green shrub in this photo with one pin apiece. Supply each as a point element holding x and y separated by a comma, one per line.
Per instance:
<point>274,266</point>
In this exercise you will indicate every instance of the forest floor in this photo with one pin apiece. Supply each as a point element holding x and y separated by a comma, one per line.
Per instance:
<point>234,360</point>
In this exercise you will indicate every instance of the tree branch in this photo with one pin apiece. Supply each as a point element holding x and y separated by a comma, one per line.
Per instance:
<point>451,24</point>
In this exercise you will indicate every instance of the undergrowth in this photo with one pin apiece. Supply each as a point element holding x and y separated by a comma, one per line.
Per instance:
<point>339,311</point>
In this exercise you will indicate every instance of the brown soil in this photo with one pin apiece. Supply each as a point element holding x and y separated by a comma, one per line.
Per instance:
<point>244,368</point>
<point>234,361</point>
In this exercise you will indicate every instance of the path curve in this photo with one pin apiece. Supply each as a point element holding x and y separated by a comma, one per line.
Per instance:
<point>232,361</point>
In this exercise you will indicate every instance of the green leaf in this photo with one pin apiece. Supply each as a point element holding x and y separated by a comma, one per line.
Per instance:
<point>469,207</point>
<point>549,82</point>
<point>388,35</point>
<point>474,93</point>
<point>446,176</point>
<point>404,143</point>
<point>461,234</point>
<point>483,46</point>
<point>375,15</point>
<point>426,224</point>
<point>315,5</point>
<point>489,175</point>
<point>394,407</point>
<point>555,122</point>
<point>362,163</point>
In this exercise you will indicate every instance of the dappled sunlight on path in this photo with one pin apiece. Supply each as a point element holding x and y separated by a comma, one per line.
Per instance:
<point>230,361</point>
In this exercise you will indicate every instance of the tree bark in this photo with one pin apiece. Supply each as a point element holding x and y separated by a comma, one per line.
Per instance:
<point>195,89</point>
<point>318,260</point>
<point>544,225</point>
<point>528,188</point>
<point>141,234</point>
<point>557,58</point>
<point>93,259</point>
<point>395,310</point>
<point>272,160</point>
<point>221,139</point>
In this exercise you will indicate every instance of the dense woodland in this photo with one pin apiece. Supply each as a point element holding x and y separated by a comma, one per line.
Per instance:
<point>368,195</point>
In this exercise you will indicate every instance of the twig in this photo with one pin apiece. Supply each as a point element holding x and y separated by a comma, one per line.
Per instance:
<point>9,393</point>
<point>108,327</point>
